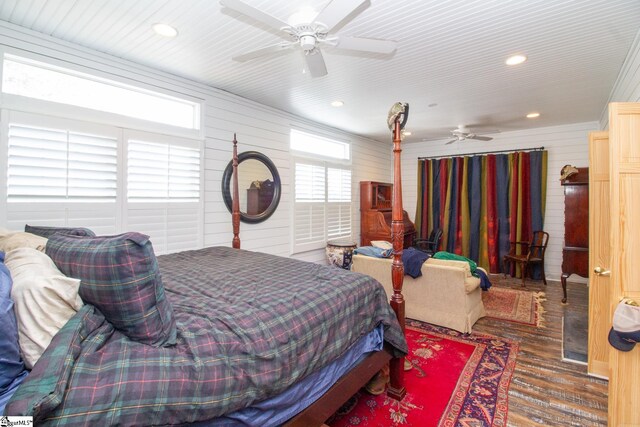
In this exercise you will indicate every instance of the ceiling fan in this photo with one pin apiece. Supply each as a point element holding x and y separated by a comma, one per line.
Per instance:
<point>462,133</point>
<point>309,31</point>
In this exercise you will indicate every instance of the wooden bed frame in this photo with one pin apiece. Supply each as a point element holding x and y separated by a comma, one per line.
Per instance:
<point>350,383</point>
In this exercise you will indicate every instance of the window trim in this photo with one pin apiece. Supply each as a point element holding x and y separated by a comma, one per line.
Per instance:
<point>39,106</point>
<point>309,155</point>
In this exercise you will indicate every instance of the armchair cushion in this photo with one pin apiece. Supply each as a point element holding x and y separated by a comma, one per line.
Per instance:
<point>451,263</point>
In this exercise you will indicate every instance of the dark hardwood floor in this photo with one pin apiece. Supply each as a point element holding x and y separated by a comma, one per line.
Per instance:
<point>544,390</point>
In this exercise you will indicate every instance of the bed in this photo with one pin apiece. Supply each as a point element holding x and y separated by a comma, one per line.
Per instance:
<point>238,338</point>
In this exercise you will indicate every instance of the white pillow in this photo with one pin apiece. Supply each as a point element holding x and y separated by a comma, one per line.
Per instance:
<point>20,239</point>
<point>44,300</point>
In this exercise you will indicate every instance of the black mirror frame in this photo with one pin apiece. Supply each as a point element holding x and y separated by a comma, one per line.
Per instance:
<point>226,186</point>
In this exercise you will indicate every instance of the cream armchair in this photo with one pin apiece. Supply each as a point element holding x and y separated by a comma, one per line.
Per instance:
<point>445,295</point>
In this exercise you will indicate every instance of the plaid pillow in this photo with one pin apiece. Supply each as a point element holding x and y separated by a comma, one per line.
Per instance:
<point>120,277</point>
<point>50,231</point>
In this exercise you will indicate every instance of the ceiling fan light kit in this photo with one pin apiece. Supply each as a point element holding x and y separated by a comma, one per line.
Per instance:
<point>310,35</point>
<point>307,42</point>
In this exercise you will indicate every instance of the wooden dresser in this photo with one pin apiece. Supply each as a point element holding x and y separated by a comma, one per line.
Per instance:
<point>575,253</point>
<point>375,214</point>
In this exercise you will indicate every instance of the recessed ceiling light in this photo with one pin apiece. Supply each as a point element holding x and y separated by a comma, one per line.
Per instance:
<point>164,30</point>
<point>406,133</point>
<point>533,115</point>
<point>337,103</point>
<point>515,59</point>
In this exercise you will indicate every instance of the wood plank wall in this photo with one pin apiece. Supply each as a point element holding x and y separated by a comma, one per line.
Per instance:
<point>259,128</point>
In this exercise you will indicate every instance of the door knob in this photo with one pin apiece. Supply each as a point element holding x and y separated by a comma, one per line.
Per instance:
<point>601,271</point>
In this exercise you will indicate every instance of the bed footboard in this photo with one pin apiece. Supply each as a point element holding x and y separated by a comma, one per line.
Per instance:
<point>342,390</point>
<point>349,384</point>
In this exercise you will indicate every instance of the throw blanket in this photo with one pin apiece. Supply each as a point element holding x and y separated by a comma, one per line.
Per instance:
<point>485,283</point>
<point>413,259</point>
<point>249,326</point>
<point>373,251</point>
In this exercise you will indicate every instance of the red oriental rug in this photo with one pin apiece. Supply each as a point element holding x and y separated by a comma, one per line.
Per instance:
<point>457,380</point>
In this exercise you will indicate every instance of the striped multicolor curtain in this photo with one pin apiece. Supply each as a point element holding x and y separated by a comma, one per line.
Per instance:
<point>481,203</point>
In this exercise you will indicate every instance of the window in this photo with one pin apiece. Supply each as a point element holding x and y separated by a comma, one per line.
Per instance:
<point>317,145</point>
<point>322,205</point>
<point>46,82</point>
<point>309,207</point>
<point>322,208</point>
<point>338,203</point>
<point>49,164</point>
<point>163,190</point>
<point>162,172</point>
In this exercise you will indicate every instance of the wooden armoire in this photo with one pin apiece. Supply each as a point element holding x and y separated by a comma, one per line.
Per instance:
<point>259,196</point>
<point>575,253</point>
<point>375,214</point>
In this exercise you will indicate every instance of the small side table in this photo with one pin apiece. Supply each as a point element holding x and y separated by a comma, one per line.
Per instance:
<point>340,252</point>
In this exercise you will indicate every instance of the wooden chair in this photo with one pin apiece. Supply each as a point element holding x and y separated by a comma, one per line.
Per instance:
<point>429,245</point>
<point>530,253</point>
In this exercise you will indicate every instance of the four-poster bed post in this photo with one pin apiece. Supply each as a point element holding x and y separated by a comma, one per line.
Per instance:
<point>235,209</point>
<point>396,386</point>
<point>350,383</point>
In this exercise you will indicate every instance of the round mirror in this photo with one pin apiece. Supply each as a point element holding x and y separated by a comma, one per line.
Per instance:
<point>258,186</point>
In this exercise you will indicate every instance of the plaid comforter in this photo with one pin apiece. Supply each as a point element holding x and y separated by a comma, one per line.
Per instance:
<point>249,326</point>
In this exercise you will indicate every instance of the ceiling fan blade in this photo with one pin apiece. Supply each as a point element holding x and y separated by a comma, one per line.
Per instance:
<point>262,52</point>
<point>336,11</point>
<point>480,138</point>
<point>315,63</point>
<point>366,45</point>
<point>252,12</point>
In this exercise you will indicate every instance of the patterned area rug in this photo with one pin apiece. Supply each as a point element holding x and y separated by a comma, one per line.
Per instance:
<point>514,305</point>
<point>456,380</point>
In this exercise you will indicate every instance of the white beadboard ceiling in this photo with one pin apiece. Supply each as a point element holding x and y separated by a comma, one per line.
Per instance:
<point>450,53</point>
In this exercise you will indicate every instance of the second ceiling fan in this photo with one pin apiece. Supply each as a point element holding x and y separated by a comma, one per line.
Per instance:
<point>309,33</point>
<point>462,133</point>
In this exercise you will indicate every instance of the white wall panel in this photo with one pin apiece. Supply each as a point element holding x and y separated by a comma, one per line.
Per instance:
<point>258,128</point>
<point>566,144</point>
<point>100,218</point>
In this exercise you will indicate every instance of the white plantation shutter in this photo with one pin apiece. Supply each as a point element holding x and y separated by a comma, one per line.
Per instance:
<point>93,165</point>
<point>147,171</point>
<point>163,190</point>
<point>339,203</point>
<point>159,171</point>
<point>309,206</point>
<point>322,208</point>
<point>53,165</point>
<point>184,173</point>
